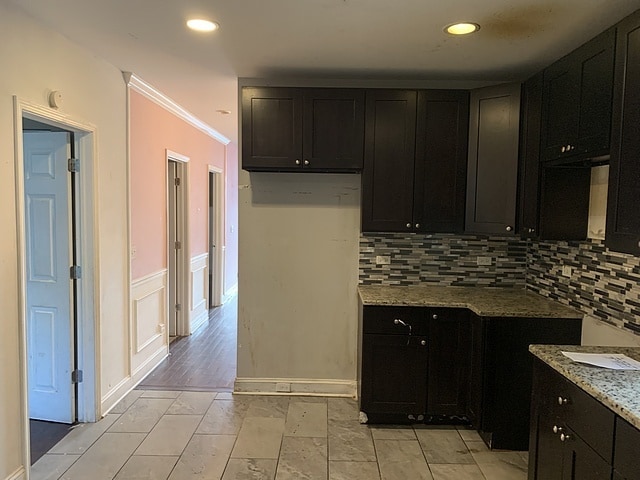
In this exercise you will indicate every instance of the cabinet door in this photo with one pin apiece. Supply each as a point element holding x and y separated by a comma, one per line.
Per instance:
<point>530,156</point>
<point>623,221</point>
<point>561,110</point>
<point>579,461</point>
<point>547,463</point>
<point>492,174</point>
<point>333,130</point>
<point>441,160</point>
<point>271,129</point>
<point>387,178</point>
<point>476,371</point>
<point>449,342</point>
<point>394,373</point>
<point>625,456</point>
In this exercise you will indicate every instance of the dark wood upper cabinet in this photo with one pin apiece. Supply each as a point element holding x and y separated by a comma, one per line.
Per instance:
<point>577,102</point>
<point>529,168</point>
<point>302,129</point>
<point>441,161</point>
<point>623,221</point>
<point>415,161</point>
<point>389,153</point>
<point>492,172</point>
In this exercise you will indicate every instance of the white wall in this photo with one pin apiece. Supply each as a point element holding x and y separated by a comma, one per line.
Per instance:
<point>298,278</point>
<point>34,61</point>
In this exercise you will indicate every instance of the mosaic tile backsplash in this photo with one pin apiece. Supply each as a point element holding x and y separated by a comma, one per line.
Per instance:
<point>443,259</point>
<point>603,284</point>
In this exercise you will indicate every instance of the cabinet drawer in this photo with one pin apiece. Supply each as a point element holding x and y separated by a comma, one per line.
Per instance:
<point>395,320</point>
<point>625,457</point>
<point>588,418</point>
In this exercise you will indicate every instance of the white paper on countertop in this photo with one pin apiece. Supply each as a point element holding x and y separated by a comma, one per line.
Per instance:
<point>613,361</point>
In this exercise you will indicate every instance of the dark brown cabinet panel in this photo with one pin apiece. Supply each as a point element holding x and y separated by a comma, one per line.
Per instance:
<point>441,161</point>
<point>625,457</point>
<point>389,152</point>
<point>529,168</point>
<point>572,434</point>
<point>577,101</point>
<point>302,129</point>
<point>449,331</point>
<point>623,221</point>
<point>492,174</point>
<point>415,161</point>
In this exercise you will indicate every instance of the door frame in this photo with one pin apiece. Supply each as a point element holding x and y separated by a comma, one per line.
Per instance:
<point>218,219</point>
<point>88,298</point>
<point>183,327</point>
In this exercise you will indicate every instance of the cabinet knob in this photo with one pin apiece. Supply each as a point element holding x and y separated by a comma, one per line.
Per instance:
<point>306,162</point>
<point>417,225</point>
<point>562,401</point>
<point>563,149</point>
<point>568,148</point>
<point>531,230</point>
<point>423,342</point>
<point>508,228</point>
<point>297,162</point>
<point>638,244</point>
<point>557,429</point>
<point>408,225</point>
<point>564,437</point>
<point>397,321</point>
<point>434,316</point>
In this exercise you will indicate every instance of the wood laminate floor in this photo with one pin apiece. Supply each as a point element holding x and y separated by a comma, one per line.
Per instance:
<point>203,361</point>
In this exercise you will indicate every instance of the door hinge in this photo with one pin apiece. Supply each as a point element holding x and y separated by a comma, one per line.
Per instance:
<point>76,376</point>
<point>176,181</point>
<point>178,307</point>
<point>177,245</point>
<point>74,165</point>
<point>75,272</point>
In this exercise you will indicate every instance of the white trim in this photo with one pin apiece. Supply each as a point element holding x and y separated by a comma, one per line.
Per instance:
<point>142,289</point>
<point>219,219</point>
<point>88,301</point>
<point>136,83</point>
<point>183,274</point>
<point>129,383</point>
<point>198,308</point>
<point>298,386</point>
<point>19,474</point>
<point>230,293</point>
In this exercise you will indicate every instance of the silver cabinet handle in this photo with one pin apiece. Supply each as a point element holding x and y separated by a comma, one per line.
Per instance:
<point>508,228</point>
<point>417,225</point>
<point>564,437</point>
<point>397,321</point>
<point>562,401</point>
<point>557,429</point>
<point>531,230</point>
<point>423,343</point>
<point>408,225</point>
<point>434,316</point>
<point>306,162</point>
<point>297,162</point>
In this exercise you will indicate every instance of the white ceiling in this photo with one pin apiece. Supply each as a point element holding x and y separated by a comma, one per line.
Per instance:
<point>345,39</point>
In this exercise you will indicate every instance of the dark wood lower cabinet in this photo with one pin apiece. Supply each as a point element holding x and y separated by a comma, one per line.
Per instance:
<point>393,376</point>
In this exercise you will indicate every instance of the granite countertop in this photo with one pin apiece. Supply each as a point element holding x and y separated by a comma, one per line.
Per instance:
<point>483,301</point>
<point>617,389</point>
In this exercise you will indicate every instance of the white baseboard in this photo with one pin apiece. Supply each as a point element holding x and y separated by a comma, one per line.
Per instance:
<point>116,394</point>
<point>230,293</point>
<point>19,474</point>
<point>296,386</point>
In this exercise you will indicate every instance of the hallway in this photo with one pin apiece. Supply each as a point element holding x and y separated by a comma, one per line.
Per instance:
<point>203,361</point>
<point>177,435</point>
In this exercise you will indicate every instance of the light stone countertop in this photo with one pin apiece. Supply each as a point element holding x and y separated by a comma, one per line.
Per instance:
<point>483,301</point>
<point>617,389</point>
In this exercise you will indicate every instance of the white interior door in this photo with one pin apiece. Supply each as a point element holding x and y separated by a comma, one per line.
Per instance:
<point>49,312</point>
<point>173,239</point>
<point>212,239</point>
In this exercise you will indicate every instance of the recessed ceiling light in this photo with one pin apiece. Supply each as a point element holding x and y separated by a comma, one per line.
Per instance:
<point>202,25</point>
<point>462,28</point>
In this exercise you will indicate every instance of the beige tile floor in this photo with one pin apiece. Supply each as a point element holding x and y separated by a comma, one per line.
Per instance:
<point>160,435</point>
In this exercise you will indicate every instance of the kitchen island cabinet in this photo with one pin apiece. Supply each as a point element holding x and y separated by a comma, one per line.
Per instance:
<point>585,420</point>
<point>475,362</point>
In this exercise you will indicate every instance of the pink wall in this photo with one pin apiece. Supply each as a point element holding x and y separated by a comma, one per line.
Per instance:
<point>153,131</point>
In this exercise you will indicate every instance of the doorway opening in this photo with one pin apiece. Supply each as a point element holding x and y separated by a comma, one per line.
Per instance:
<point>216,249</point>
<point>177,263</point>
<point>54,194</point>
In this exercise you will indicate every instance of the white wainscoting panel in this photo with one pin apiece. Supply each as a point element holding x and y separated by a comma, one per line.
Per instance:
<point>198,312</point>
